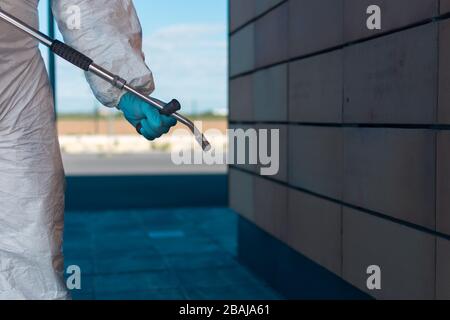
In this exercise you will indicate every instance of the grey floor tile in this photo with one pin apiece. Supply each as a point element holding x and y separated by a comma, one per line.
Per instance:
<point>158,218</point>
<point>200,261</point>
<point>231,293</point>
<point>217,277</point>
<point>77,231</point>
<point>121,261</point>
<point>132,282</point>
<point>83,296</point>
<point>186,245</point>
<point>131,262</point>
<point>120,246</point>
<point>228,243</point>
<point>219,227</point>
<point>161,294</point>
<point>77,250</point>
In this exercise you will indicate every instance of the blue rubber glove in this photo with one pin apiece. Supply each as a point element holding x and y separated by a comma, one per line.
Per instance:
<point>136,111</point>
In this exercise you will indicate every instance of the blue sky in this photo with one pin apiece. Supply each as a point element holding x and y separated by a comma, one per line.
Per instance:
<point>185,44</point>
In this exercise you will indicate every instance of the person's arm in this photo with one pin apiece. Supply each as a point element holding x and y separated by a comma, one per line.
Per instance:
<point>110,34</point>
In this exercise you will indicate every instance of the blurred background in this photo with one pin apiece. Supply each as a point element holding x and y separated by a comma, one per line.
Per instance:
<point>187,52</point>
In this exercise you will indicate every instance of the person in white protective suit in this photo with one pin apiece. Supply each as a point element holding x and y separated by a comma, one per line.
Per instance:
<point>31,171</point>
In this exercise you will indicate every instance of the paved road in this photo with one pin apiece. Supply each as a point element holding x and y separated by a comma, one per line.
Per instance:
<point>134,164</point>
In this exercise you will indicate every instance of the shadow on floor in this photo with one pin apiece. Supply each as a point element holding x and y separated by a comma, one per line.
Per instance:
<point>172,254</point>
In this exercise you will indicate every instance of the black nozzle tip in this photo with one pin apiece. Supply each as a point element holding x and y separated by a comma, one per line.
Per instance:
<point>206,146</point>
<point>171,108</point>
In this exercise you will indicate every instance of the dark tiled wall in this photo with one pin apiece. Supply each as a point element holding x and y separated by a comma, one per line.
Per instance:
<point>365,121</point>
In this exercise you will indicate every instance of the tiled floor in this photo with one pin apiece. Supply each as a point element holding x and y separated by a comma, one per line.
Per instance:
<point>159,254</point>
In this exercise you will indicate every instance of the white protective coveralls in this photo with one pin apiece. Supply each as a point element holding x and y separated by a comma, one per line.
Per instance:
<point>31,171</point>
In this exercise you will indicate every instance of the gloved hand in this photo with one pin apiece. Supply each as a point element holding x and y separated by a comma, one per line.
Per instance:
<point>136,111</point>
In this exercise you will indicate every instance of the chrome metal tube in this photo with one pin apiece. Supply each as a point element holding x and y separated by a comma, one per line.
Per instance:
<point>42,38</point>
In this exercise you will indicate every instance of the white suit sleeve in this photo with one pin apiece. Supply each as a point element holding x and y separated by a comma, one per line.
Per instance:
<point>109,32</point>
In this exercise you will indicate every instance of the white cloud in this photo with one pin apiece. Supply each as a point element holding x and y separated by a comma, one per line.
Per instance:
<point>189,61</point>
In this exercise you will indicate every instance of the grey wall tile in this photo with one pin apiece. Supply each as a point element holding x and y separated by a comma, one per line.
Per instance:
<point>316,159</point>
<point>394,14</point>
<point>443,182</point>
<point>241,11</point>
<point>271,43</point>
<point>242,50</point>
<point>316,88</point>
<point>264,5</point>
<point>445,6</point>
<point>241,104</point>
<point>314,229</point>
<point>235,146</point>
<point>392,79</point>
<point>270,94</point>
<point>406,257</point>
<point>270,205</point>
<point>240,186</point>
<point>283,150</point>
<point>257,143</point>
<point>444,73</point>
<point>443,269</point>
<point>314,25</point>
<point>391,171</point>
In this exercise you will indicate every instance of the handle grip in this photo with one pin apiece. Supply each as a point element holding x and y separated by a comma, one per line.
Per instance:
<point>70,54</point>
